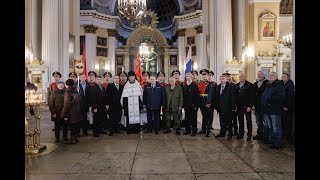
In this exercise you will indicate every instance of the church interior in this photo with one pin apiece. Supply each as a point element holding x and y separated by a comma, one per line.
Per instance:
<point>224,36</point>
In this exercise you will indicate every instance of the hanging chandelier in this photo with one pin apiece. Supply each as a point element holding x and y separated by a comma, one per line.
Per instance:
<point>287,40</point>
<point>131,9</point>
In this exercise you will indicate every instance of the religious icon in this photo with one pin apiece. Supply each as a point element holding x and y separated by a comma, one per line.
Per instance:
<point>267,26</point>
<point>78,66</point>
<point>173,60</point>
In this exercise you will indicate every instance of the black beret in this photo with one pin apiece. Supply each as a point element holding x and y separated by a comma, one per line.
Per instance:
<point>204,70</point>
<point>92,72</point>
<point>175,71</point>
<point>160,72</point>
<point>194,71</point>
<point>131,73</point>
<point>107,73</point>
<point>56,72</point>
<point>226,74</point>
<point>70,82</point>
<point>73,73</point>
<point>211,72</point>
<point>145,72</point>
<point>123,72</point>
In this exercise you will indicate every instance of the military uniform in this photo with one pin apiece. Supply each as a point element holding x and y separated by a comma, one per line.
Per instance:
<point>179,83</point>
<point>206,95</point>
<point>53,85</point>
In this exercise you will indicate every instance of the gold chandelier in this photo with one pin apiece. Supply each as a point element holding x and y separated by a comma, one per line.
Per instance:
<point>131,9</point>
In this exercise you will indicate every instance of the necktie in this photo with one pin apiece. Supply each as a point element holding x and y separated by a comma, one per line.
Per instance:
<point>222,88</point>
<point>117,85</point>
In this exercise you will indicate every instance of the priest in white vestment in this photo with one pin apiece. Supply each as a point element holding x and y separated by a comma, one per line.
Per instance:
<point>131,101</point>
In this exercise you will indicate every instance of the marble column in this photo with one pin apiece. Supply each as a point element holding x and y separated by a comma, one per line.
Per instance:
<point>91,44</point>
<point>36,14</point>
<point>76,26</point>
<point>50,40</point>
<point>112,44</point>
<point>293,58</point>
<point>126,61</point>
<point>238,18</point>
<point>201,49</point>
<point>212,50</point>
<point>182,55</point>
<point>166,64</point>
<point>224,35</point>
<point>63,38</point>
<point>220,35</point>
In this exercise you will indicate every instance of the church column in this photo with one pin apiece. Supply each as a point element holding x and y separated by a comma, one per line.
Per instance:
<point>91,41</point>
<point>201,49</point>
<point>224,35</point>
<point>63,38</point>
<point>50,34</point>
<point>238,28</point>
<point>181,33</point>
<point>293,58</point>
<point>166,64</point>
<point>36,9</point>
<point>212,50</point>
<point>126,61</point>
<point>112,43</point>
<point>76,26</point>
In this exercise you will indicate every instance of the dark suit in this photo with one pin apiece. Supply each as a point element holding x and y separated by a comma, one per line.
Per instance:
<point>98,102</point>
<point>258,91</point>
<point>286,116</point>
<point>244,99</point>
<point>85,103</point>
<point>191,102</point>
<point>225,104</point>
<point>206,95</point>
<point>234,119</point>
<point>113,96</point>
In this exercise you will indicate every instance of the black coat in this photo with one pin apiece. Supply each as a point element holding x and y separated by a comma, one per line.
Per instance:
<point>191,96</point>
<point>113,96</point>
<point>272,98</point>
<point>258,93</point>
<point>244,95</point>
<point>154,98</point>
<point>225,102</point>
<point>97,97</point>
<point>289,94</point>
<point>72,105</point>
<point>85,95</point>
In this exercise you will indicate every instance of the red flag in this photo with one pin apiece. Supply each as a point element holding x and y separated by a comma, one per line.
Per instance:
<point>84,62</point>
<point>138,69</point>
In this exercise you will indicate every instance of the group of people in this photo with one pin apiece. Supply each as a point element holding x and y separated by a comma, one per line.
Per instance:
<point>121,103</point>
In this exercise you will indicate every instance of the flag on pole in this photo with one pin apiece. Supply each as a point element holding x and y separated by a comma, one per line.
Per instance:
<point>188,62</point>
<point>138,69</point>
<point>84,62</point>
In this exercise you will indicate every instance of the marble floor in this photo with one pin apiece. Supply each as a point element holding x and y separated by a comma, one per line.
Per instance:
<point>163,156</point>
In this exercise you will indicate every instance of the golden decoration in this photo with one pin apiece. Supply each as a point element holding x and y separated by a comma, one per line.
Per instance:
<point>198,29</point>
<point>90,29</point>
<point>181,32</point>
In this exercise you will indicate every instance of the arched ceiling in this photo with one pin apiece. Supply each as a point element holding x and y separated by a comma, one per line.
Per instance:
<point>165,9</point>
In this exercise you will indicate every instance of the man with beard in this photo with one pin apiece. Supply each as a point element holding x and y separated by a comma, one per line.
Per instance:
<point>191,99</point>
<point>131,101</point>
<point>113,105</point>
<point>56,105</point>
<point>123,77</point>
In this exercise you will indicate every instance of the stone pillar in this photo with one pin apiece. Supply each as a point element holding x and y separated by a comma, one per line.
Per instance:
<point>50,34</point>
<point>220,35</point>
<point>212,51</point>
<point>63,38</point>
<point>238,23</point>
<point>36,16</point>
<point>293,57</point>
<point>76,26</point>
<point>201,49</point>
<point>224,35</point>
<point>91,44</point>
<point>181,62</point>
<point>112,44</point>
<point>166,64</point>
<point>126,61</point>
